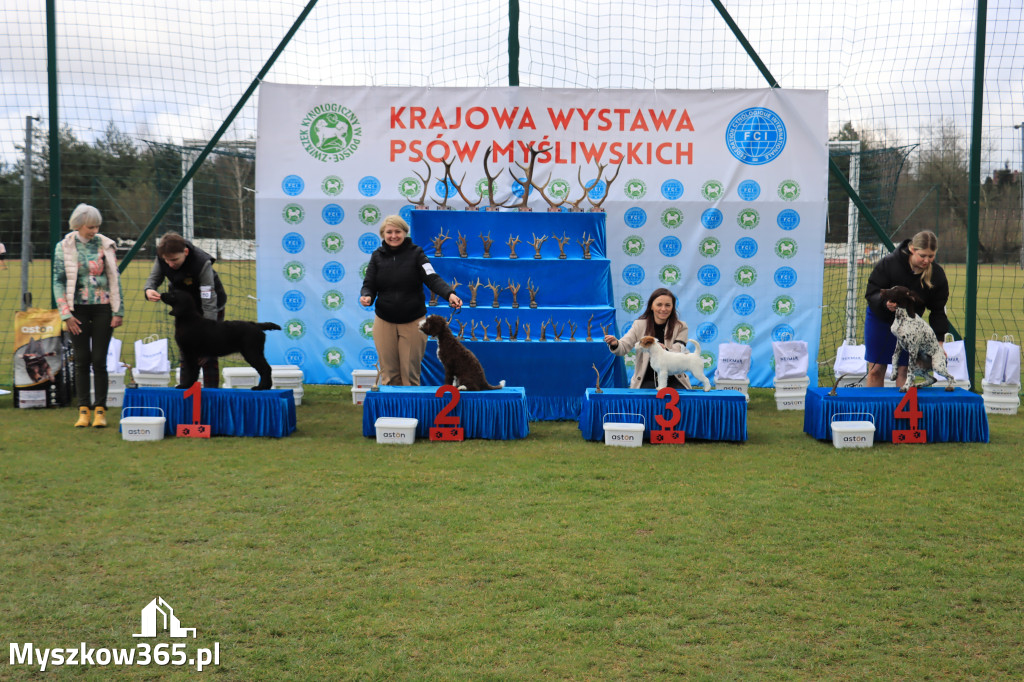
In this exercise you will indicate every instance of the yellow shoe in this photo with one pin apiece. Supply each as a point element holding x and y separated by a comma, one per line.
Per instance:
<point>100,418</point>
<point>83,418</point>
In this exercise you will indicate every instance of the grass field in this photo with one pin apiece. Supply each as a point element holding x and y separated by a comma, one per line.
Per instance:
<point>324,556</point>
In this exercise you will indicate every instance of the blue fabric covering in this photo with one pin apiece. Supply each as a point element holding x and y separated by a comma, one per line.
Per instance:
<point>227,411</point>
<point>491,415</point>
<point>717,415</point>
<point>954,417</point>
<point>554,374</point>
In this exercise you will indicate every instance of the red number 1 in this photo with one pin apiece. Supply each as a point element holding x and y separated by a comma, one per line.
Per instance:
<point>195,392</point>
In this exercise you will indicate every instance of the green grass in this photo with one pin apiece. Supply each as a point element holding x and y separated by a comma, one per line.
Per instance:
<point>323,556</point>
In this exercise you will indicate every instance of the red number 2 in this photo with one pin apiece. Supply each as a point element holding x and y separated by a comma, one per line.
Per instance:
<point>443,418</point>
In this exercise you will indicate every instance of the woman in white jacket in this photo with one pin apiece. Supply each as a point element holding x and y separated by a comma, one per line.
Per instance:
<point>660,321</point>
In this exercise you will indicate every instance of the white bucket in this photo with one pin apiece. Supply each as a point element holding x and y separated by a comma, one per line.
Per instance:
<point>792,387</point>
<point>741,385</point>
<point>396,430</point>
<point>240,377</point>
<point>363,378</point>
<point>853,433</point>
<point>1001,404</point>
<point>624,434</point>
<point>789,402</point>
<point>142,428</point>
<point>1000,390</point>
<point>358,395</point>
<point>152,379</point>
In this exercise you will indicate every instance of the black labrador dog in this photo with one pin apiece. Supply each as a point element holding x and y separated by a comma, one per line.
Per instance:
<point>199,338</point>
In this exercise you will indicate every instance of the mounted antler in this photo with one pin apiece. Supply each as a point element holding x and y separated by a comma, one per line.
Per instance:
<point>586,191</point>
<point>422,203</point>
<point>443,205</point>
<point>607,188</point>
<point>524,205</point>
<point>552,206</point>
<point>492,205</point>
<point>470,205</point>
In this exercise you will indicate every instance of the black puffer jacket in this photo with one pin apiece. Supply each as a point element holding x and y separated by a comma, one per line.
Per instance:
<point>395,279</point>
<point>895,270</point>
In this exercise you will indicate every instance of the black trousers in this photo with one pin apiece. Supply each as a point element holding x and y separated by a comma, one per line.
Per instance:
<point>90,347</point>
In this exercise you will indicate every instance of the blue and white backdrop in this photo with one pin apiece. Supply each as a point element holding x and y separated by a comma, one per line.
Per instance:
<point>719,196</point>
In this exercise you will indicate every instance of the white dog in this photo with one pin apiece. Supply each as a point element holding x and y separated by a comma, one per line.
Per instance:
<point>666,362</point>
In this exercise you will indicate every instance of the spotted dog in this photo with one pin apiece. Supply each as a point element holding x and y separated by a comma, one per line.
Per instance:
<point>914,336</point>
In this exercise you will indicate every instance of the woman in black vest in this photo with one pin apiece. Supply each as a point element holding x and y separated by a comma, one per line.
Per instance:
<point>188,268</point>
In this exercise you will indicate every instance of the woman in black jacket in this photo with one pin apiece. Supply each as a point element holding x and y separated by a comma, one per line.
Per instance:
<point>911,265</point>
<point>395,278</point>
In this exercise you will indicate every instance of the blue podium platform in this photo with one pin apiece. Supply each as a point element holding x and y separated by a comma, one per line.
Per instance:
<point>227,411</point>
<point>490,415</point>
<point>948,417</point>
<point>715,415</point>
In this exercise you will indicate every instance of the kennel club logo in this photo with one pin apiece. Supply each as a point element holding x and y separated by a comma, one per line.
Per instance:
<point>756,136</point>
<point>330,132</point>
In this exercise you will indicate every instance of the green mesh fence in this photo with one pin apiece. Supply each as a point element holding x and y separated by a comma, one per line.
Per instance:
<point>143,86</point>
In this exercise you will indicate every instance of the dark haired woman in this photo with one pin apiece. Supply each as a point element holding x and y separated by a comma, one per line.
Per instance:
<point>660,321</point>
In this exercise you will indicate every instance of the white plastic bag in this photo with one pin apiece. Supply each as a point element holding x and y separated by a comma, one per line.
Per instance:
<point>733,361</point>
<point>114,355</point>
<point>850,360</point>
<point>790,359</point>
<point>151,355</point>
<point>956,360</point>
<point>1011,372</point>
<point>995,361</point>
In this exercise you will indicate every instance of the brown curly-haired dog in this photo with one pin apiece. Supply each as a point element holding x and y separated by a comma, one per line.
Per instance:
<point>458,361</point>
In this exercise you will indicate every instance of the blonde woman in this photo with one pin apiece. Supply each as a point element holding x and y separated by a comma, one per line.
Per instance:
<point>87,288</point>
<point>911,265</point>
<point>394,279</point>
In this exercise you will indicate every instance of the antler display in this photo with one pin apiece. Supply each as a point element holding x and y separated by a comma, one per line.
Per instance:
<point>586,191</point>
<point>607,188</point>
<point>422,203</point>
<point>492,205</point>
<point>552,206</point>
<point>524,204</point>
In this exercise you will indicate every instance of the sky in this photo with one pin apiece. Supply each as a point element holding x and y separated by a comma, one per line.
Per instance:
<point>172,70</point>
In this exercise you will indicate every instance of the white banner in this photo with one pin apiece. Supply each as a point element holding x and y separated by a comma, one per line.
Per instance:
<point>719,196</point>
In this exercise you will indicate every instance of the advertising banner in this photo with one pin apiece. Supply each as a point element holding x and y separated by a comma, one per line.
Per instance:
<point>720,196</point>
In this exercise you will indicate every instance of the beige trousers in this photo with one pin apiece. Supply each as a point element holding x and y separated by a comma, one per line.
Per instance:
<point>400,351</point>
